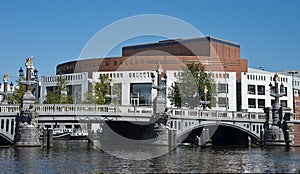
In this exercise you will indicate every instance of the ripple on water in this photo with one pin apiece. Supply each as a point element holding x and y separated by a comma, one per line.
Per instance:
<point>81,157</point>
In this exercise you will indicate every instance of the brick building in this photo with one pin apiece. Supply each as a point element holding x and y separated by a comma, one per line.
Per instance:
<point>214,53</point>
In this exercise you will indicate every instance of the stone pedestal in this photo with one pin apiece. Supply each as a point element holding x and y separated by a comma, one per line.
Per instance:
<point>27,135</point>
<point>159,104</point>
<point>161,136</point>
<point>28,100</point>
<point>274,137</point>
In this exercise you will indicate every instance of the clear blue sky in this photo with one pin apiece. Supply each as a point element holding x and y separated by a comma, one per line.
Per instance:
<point>56,31</point>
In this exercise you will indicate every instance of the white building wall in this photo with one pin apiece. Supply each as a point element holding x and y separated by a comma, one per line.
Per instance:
<point>219,78</point>
<point>126,78</point>
<point>264,78</point>
<point>72,79</point>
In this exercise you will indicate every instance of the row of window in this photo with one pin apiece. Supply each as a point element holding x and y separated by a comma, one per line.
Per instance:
<point>261,103</point>
<point>263,78</point>
<point>261,90</point>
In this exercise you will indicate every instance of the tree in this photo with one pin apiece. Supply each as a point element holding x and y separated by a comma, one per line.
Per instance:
<point>60,94</point>
<point>19,91</point>
<point>99,91</point>
<point>188,91</point>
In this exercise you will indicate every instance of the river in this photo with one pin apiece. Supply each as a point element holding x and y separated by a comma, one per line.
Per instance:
<point>83,157</point>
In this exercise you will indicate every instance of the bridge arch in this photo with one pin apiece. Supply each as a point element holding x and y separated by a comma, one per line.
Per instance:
<point>214,126</point>
<point>7,130</point>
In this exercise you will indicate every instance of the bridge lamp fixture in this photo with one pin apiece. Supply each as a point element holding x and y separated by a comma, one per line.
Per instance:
<point>21,72</point>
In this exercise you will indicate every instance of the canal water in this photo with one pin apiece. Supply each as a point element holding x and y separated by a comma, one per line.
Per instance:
<point>83,157</point>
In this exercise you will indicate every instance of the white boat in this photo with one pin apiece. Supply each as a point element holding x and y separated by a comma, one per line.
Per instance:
<point>60,134</point>
<point>79,134</point>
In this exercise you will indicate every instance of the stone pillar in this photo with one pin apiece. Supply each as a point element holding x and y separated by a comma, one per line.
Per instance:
<point>273,135</point>
<point>27,132</point>
<point>28,98</point>
<point>159,103</point>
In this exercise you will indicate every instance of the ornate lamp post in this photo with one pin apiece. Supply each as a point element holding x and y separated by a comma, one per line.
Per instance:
<point>273,133</point>
<point>28,98</point>
<point>205,102</point>
<point>111,96</point>
<point>5,93</point>
<point>27,125</point>
<point>159,104</point>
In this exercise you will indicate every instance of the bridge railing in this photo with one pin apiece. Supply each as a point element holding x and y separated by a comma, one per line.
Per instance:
<point>217,114</point>
<point>88,108</point>
<point>9,108</point>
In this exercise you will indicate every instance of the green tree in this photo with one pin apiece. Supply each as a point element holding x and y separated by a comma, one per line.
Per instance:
<point>19,91</point>
<point>60,94</point>
<point>99,91</point>
<point>188,90</point>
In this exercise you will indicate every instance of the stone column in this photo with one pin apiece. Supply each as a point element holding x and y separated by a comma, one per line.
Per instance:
<point>273,135</point>
<point>27,133</point>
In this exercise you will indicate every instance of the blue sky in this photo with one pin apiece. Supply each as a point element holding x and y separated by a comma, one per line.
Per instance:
<point>56,31</point>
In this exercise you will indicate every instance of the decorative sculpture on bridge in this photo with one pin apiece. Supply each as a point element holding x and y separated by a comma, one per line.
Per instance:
<point>275,130</point>
<point>27,126</point>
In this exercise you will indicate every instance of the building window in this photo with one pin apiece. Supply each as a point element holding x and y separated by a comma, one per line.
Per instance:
<point>107,63</point>
<point>283,103</point>
<point>251,89</point>
<point>222,102</point>
<point>251,103</point>
<point>140,94</point>
<point>115,62</point>
<point>261,103</point>
<point>222,88</point>
<point>260,89</point>
<point>283,91</point>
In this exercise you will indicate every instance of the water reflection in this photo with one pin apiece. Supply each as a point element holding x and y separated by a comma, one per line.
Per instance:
<point>82,157</point>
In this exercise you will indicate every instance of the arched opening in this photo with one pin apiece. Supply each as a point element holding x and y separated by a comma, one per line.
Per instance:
<point>224,135</point>
<point>2,123</point>
<point>7,125</point>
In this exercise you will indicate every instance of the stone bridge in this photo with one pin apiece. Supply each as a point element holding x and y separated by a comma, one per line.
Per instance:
<point>182,120</point>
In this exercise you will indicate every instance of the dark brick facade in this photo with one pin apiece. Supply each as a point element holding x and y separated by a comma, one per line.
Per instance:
<point>172,54</point>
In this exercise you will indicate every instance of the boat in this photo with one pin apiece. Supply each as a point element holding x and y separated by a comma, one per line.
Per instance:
<point>59,134</point>
<point>79,135</point>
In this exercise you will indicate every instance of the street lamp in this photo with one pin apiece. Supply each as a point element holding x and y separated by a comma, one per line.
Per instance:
<point>111,96</point>
<point>21,72</point>
<point>205,102</point>
<point>293,83</point>
<point>159,103</point>
<point>273,133</point>
<point>5,93</point>
<point>28,98</point>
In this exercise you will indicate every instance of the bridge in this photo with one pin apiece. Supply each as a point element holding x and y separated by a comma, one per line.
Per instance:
<point>183,121</point>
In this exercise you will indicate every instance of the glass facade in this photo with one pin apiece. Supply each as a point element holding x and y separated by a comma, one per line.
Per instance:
<point>140,94</point>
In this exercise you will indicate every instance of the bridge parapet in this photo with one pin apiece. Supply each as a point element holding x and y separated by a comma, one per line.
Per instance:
<point>66,109</point>
<point>10,109</point>
<point>217,114</point>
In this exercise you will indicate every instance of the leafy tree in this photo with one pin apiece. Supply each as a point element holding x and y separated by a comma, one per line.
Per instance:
<point>60,94</point>
<point>99,91</point>
<point>19,91</point>
<point>188,91</point>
